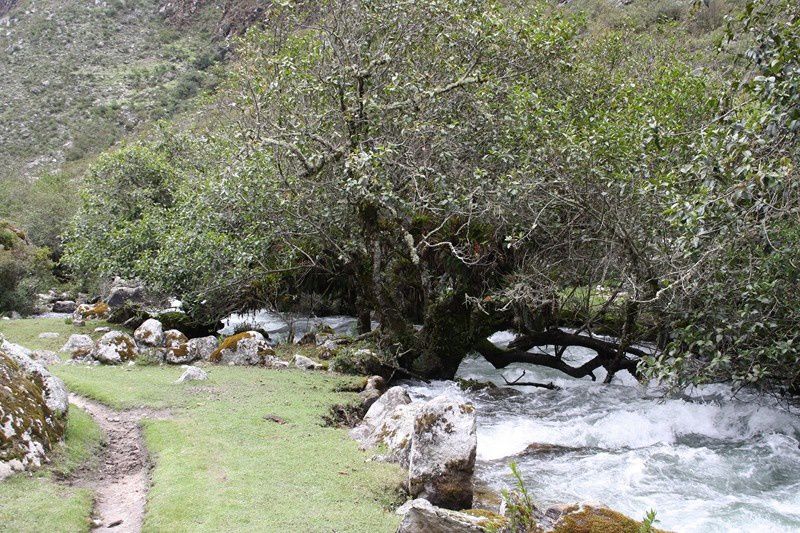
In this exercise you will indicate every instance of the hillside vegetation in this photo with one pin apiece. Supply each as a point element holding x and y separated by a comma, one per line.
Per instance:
<point>470,166</point>
<point>77,77</point>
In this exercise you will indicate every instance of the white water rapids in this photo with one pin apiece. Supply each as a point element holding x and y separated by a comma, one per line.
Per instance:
<point>704,462</point>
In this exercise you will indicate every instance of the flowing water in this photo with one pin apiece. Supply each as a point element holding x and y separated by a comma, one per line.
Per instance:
<point>704,462</point>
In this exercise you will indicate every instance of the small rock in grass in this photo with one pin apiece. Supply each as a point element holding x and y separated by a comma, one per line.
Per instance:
<point>102,330</point>
<point>49,335</point>
<point>192,373</point>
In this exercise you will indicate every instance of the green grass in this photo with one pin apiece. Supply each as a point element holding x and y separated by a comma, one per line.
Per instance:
<point>39,502</point>
<point>219,465</point>
<point>26,332</point>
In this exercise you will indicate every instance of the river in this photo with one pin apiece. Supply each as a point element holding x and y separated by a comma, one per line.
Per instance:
<point>704,462</point>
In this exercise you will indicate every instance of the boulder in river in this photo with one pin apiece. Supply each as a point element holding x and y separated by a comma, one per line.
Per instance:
<point>33,410</point>
<point>115,347</point>
<point>248,348</point>
<point>442,459</point>
<point>589,518</point>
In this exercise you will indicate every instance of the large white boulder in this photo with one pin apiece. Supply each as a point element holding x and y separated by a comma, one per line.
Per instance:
<point>150,333</point>
<point>306,363</point>
<point>442,459</point>
<point>389,421</point>
<point>115,347</point>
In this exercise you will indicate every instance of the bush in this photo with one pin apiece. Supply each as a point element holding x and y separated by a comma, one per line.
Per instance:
<point>24,269</point>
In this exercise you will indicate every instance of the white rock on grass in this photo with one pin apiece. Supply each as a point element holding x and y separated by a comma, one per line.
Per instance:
<point>38,417</point>
<point>304,363</point>
<point>150,333</point>
<point>49,335</point>
<point>78,346</point>
<point>177,347</point>
<point>390,421</point>
<point>115,347</point>
<point>192,373</point>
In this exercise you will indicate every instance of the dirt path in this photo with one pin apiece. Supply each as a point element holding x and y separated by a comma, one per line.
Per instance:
<point>120,478</point>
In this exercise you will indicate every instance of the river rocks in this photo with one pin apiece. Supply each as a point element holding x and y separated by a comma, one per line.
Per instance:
<point>33,410</point>
<point>200,349</point>
<point>98,311</point>
<point>150,333</point>
<point>78,346</point>
<point>192,373</point>
<point>115,347</point>
<point>443,447</point>
<point>589,518</point>
<point>420,516</point>
<point>64,306</point>
<point>305,363</point>
<point>248,348</point>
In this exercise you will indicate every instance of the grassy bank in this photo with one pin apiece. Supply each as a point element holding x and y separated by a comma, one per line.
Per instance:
<point>220,464</point>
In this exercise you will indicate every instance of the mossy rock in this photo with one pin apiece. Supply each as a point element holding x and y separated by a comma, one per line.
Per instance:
<point>359,361</point>
<point>589,519</point>
<point>29,428</point>
<point>98,311</point>
<point>115,347</point>
<point>247,348</point>
<point>491,520</point>
<point>473,385</point>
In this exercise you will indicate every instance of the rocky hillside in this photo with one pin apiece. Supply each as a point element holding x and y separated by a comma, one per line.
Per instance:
<point>79,75</point>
